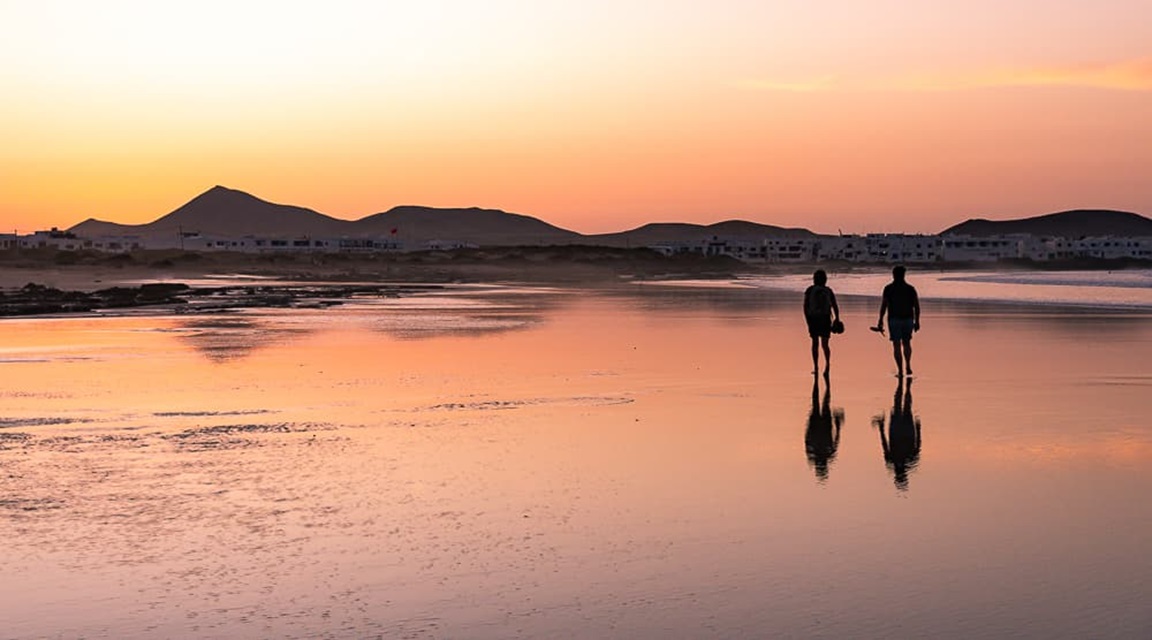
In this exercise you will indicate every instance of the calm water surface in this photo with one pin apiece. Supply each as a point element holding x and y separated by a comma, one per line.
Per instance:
<point>650,462</point>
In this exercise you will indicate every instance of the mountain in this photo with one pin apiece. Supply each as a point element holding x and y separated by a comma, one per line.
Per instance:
<point>658,232</point>
<point>1077,223</point>
<point>223,211</point>
<point>414,224</point>
<point>227,212</point>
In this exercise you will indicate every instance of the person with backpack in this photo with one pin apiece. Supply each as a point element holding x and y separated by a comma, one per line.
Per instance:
<point>820,312</point>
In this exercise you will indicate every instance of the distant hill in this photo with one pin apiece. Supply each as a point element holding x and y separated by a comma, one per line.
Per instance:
<point>474,225</point>
<point>658,232</point>
<point>227,212</point>
<point>1069,224</point>
<point>223,211</point>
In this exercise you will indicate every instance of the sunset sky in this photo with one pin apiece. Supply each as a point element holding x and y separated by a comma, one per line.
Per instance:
<point>596,116</point>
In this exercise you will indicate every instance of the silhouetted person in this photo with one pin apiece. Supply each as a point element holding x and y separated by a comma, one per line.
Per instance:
<point>820,309</point>
<point>822,437</point>
<point>901,445</point>
<point>902,304</point>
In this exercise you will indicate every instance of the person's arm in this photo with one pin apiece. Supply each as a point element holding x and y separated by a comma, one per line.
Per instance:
<point>883,307</point>
<point>835,307</point>
<point>915,310</point>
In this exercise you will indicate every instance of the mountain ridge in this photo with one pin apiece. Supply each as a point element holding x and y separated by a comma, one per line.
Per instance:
<point>1073,223</point>
<point>222,211</point>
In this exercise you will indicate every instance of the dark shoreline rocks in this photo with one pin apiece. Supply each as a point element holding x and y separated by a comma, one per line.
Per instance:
<point>36,299</point>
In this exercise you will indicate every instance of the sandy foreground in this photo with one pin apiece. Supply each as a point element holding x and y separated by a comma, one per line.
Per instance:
<point>641,461</point>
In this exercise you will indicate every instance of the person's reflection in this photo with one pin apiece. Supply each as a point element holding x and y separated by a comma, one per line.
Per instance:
<point>901,444</point>
<point>823,434</point>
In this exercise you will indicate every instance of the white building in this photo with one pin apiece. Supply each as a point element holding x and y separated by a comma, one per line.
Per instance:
<point>964,248</point>
<point>448,245</point>
<point>191,241</point>
<point>881,247</point>
<point>1112,248</point>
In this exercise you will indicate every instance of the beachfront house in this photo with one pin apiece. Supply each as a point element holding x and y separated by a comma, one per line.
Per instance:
<point>1113,248</point>
<point>52,239</point>
<point>900,247</point>
<point>880,247</point>
<point>964,248</point>
<point>791,249</point>
<point>850,248</point>
<point>368,245</point>
<point>742,249</point>
<point>195,241</point>
<point>448,245</point>
<point>113,244</point>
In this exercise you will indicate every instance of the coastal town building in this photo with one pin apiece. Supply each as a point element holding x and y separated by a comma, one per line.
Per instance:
<point>848,248</point>
<point>51,239</point>
<point>984,249</point>
<point>881,247</point>
<point>962,248</point>
<point>875,248</point>
<point>1111,248</point>
<point>191,241</point>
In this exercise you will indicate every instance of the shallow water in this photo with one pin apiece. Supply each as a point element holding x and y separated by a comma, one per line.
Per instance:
<point>1121,289</point>
<point>647,462</point>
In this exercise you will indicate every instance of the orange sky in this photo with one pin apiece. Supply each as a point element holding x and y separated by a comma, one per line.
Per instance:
<point>596,116</point>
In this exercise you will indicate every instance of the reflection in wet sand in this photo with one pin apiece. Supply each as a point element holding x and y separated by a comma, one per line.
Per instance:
<point>901,443</point>
<point>225,338</point>
<point>822,437</point>
<point>422,326</point>
<point>233,335</point>
<point>734,300</point>
<point>482,313</point>
<point>573,464</point>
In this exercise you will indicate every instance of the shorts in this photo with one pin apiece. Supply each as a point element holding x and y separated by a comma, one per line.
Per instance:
<point>900,329</point>
<point>819,326</point>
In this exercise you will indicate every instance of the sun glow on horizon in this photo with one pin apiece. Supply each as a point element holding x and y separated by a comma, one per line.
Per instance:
<point>595,116</point>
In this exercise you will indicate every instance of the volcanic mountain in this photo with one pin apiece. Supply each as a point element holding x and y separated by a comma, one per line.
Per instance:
<point>1078,223</point>
<point>485,227</point>
<point>230,213</point>
<point>658,232</point>
<point>226,212</point>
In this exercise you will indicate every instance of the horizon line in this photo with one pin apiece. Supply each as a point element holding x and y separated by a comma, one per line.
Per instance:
<point>838,232</point>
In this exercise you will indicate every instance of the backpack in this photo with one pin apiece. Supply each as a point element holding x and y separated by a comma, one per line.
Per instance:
<point>818,302</point>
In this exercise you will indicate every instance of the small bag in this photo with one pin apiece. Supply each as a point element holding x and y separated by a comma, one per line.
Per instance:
<point>837,326</point>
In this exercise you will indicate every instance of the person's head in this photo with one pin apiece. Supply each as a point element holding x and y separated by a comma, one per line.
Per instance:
<point>898,273</point>
<point>820,277</point>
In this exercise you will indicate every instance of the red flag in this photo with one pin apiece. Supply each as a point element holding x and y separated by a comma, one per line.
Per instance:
<point>394,230</point>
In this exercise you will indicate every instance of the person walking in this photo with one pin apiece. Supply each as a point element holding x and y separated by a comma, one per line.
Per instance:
<point>902,305</point>
<point>820,312</point>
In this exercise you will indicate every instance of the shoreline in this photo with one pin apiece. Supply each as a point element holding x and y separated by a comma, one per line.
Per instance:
<point>43,282</point>
<point>85,270</point>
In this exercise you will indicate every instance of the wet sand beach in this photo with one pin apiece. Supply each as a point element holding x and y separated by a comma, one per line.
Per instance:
<point>625,461</point>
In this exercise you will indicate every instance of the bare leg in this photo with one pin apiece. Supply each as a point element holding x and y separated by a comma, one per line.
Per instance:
<point>908,356</point>
<point>827,355</point>
<point>815,356</point>
<point>896,355</point>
